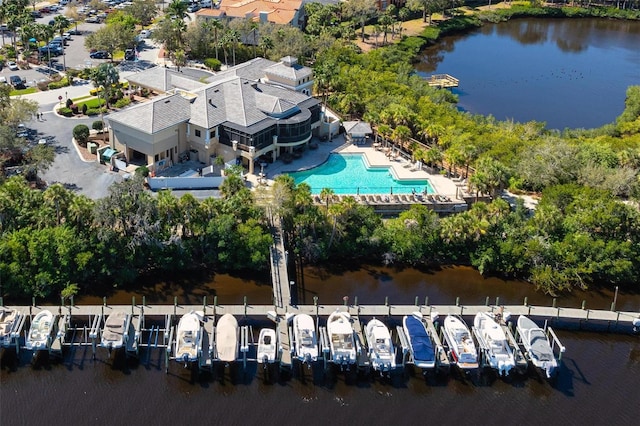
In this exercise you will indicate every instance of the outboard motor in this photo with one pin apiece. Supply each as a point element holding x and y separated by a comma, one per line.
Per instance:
<point>636,326</point>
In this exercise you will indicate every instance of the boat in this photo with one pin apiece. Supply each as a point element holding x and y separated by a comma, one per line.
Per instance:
<point>420,344</point>
<point>537,345</point>
<point>461,345</point>
<point>227,338</point>
<point>493,341</point>
<point>8,319</point>
<point>114,331</point>
<point>462,348</point>
<point>381,351</point>
<point>188,338</point>
<point>305,338</point>
<point>40,331</point>
<point>343,349</point>
<point>267,346</point>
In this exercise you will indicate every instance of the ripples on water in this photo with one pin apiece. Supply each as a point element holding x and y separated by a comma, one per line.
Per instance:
<point>598,384</point>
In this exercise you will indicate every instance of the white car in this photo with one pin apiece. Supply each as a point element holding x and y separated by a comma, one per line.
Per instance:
<point>12,66</point>
<point>145,34</point>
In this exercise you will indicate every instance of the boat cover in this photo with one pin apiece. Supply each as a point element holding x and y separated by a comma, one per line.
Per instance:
<point>420,341</point>
<point>539,346</point>
<point>227,338</point>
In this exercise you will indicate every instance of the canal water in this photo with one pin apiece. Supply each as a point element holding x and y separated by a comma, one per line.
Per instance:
<point>569,73</point>
<point>597,385</point>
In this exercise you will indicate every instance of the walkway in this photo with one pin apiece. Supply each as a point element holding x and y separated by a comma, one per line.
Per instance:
<point>279,261</point>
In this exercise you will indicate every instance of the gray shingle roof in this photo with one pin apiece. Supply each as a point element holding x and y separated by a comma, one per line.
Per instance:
<point>161,79</point>
<point>242,102</point>
<point>294,71</point>
<point>359,127</point>
<point>251,70</point>
<point>159,114</point>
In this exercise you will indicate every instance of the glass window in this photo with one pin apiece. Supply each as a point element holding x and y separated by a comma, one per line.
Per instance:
<point>197,133</point>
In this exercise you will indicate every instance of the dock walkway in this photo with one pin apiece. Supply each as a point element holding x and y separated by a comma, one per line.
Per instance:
<point>443,81</point>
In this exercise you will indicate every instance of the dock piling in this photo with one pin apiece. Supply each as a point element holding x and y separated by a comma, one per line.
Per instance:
<point>457,301</point>
<point>416,301</point>
<point>104,301</point>
<point>72,304</point>
<point>204,304</point>
<point>584,304</point>
<point>133,303</point>
<point>1,301</point>
<point>245,305</point>
<point>486,301</point>
<point>426,301</point>
<point>215,305</point>
<point>526,301</point>
<point>553,305</point>
<point>498,301</point>
<point>175,305</point>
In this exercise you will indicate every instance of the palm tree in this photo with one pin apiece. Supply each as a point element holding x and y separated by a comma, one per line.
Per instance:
<point>57,197</point>
<point>401,134</point>
<point>234,37</point>
<point>327,195</point>
<point>177,9</point>
<point>216,25</point>
<point>266,44</point>
<point>105,76</point>
<point>254,28</point>
<point>60,24</point>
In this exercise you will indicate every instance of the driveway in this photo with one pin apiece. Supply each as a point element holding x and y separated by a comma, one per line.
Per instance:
<point>91,179</point>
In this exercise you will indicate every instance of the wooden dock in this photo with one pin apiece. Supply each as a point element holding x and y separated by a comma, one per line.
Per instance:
<point>443,81</point>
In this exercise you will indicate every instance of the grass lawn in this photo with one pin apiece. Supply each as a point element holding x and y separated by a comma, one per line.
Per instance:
<point>91,103</point>
<point>81,98</point>
<point>26,91</point>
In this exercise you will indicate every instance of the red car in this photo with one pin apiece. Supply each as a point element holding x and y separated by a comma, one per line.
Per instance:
<point>45,10</point>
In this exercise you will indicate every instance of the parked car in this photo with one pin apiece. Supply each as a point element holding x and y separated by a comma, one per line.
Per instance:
<point>92,20</point>
<point>193,8</point>
<point>44,10</point>
<point>36,14</point>
<point>67,36</point>
<point>100,54</point>
<point>129,55</point>
<point>74,32</point>
<point>12,66</point>
<point>17,82</point>
<point>145,34</point>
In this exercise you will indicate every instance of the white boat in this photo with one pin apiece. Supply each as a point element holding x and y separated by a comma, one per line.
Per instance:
<point>188,338</point>
<point>40,331</point>
<point>8,318</point>
<point>537,345</point>
<point>267,346</point>
<point>343,348</point>
<point>381,351</point>
<point>461,345</point>
<point>115,330</point>
<point>305,338</point>
<point>227,338</point>
<point>493,341</point>
<point>420,344</point>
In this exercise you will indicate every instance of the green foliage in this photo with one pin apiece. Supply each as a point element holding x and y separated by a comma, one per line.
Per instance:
<point>81,134</point>
<point>213,64</point>
<point>58,84</point>
<point>94,111</point>
<point>122,102</point>
<point>97,125</point>
<point>65,112</point>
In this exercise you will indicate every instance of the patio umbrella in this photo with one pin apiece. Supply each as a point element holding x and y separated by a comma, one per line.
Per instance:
<point>32,40</point>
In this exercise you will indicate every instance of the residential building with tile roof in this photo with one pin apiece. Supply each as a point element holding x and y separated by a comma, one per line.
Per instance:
<point>283,12</point>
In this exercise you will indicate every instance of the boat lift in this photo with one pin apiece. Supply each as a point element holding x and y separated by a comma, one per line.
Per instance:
<point>325,346</point>
<point>556,345</point>
<point>442,359</point>
<point>16,330</point>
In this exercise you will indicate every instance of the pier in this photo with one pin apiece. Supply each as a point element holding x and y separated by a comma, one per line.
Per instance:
<point>154,327</point>
<point>443,81</point>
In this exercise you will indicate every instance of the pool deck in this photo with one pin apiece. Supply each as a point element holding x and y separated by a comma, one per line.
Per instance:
<point>450,191</point>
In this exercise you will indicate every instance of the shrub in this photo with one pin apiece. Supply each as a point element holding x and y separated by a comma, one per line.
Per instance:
<point>69,102</point>
<point>81,134</point>
<point>97,125</point>
<point>58,84</point>
<point>142,171</point>
<point>213,64</point>
<point>43,86</point>
<point>74,108</point>
<point>120,103</point>
<point>92,111</point>
<point>84,108</point>
<point>65,112</point>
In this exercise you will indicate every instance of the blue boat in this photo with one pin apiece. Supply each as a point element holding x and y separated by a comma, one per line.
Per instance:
<point>420,345</point>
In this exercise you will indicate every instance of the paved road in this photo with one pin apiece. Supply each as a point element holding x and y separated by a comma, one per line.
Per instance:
<point>91,179</point>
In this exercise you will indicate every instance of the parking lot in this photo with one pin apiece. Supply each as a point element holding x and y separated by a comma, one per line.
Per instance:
<point>75,56</point>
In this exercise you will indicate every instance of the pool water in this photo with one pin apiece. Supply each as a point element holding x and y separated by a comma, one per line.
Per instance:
<point>349,174</point>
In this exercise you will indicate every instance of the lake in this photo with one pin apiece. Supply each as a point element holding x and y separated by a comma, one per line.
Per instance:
<point>569,73</point>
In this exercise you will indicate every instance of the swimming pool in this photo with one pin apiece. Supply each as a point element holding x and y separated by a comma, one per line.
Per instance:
<point>349,174</point>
